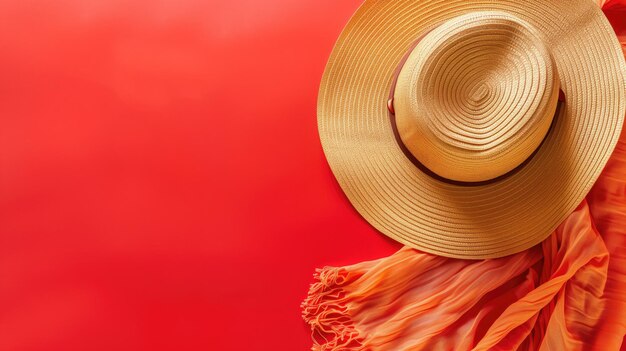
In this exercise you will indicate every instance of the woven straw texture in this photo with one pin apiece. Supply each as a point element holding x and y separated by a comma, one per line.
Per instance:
<point>475,98</point>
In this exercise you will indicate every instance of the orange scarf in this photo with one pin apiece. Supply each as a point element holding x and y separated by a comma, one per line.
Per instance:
<point>568,293</point>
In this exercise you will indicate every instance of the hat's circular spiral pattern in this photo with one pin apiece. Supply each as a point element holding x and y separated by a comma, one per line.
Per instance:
<point>514,212</point>
<point>476,96</point>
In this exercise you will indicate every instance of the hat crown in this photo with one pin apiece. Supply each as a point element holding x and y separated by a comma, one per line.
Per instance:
<point>476,96</point>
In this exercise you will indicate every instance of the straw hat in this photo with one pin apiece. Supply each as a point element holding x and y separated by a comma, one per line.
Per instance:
<point>471,129</point>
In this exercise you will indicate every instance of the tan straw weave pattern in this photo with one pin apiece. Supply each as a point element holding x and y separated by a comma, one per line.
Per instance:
<point>474,99</point>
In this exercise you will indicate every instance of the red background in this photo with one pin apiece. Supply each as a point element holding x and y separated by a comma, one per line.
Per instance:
<point>162,186</point>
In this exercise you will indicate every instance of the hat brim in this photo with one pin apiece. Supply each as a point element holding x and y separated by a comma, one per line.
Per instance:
<point>472,222</point>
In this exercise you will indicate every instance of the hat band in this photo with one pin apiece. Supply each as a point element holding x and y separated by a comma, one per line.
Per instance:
<point>420,165</point>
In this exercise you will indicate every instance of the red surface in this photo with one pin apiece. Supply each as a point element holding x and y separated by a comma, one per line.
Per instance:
<point>162,186</point>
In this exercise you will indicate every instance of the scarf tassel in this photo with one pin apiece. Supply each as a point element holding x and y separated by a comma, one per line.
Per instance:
<point>326,311</point>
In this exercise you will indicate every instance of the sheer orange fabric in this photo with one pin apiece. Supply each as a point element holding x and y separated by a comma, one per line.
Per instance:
<point>569,293</point>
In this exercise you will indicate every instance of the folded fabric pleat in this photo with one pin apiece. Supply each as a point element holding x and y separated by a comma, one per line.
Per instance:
<point>607,203</point>
<point>545,298</point>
